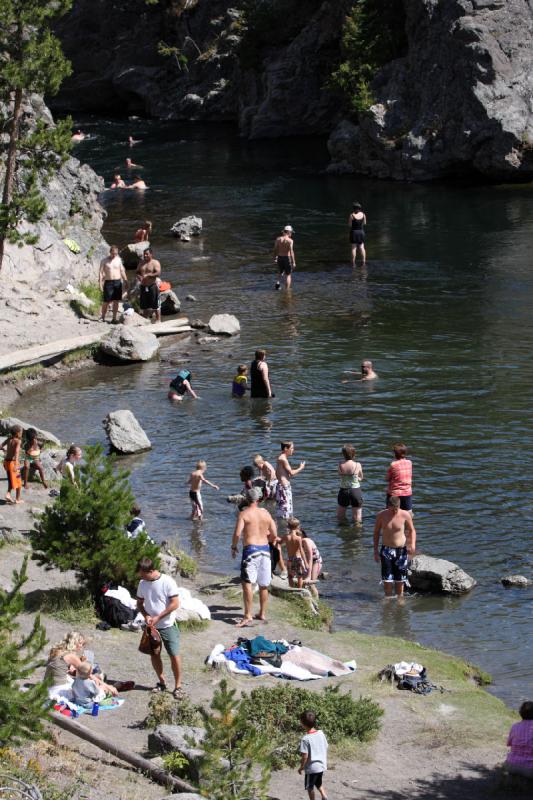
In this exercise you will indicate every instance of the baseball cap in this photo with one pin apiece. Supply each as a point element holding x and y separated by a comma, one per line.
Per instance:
<point>289,228</point>
<point>254,494</point>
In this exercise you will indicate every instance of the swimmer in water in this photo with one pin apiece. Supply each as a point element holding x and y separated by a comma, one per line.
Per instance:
<point>367,372</point>
<point>143,233</point>
<point>180,386</point>
<point>138,183</point>
<point>132,141</point>
<point>118,183</point>
<point>78,136</point>
<point>131,165</point>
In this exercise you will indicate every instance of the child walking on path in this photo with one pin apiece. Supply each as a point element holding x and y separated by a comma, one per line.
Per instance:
<point>196,478</point>
<point>12,463</point>
<point>32,460</point>
<point>314,756</point>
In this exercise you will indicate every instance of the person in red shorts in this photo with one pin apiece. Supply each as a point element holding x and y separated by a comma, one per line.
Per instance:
<point>400,478</point>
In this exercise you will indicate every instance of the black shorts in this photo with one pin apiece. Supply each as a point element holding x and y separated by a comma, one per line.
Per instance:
<point>284,265</point>
<point>149,297</point>
<point>350,497</point>
<point>406,502</point>
<point>112,291</point>
<point>313,780</point>
<point>393,564</point>
<point>357,237</point>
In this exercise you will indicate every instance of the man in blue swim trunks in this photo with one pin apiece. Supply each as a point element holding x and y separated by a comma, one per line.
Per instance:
<point>398,542</point>
<point>257,529</point>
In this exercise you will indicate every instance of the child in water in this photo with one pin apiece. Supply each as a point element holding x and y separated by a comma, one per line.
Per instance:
<point>196,478</point>
<point>32,461</point>
<point>240,381</point>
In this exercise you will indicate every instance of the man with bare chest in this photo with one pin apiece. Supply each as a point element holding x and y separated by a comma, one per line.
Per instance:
<point>148,275</point>
<point>111,278</point>
<point>398,541</point>
<point>284,256</point>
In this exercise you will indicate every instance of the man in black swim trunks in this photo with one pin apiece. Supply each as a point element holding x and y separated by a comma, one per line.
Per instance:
<point>111,278</point>
<point>284,256</point>
<point>398,543</point>
<point>148,275</point>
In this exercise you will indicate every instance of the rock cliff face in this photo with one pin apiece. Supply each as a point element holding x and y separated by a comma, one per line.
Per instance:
<point>459,102</point>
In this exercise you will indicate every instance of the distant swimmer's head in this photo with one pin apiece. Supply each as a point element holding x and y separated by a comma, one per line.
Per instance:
<point>254,494</point>
<point>366,367</point>
<point>357,207</point>
<point>394,502</point>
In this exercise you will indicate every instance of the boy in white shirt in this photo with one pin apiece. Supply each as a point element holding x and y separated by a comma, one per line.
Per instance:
<point>314,753</point>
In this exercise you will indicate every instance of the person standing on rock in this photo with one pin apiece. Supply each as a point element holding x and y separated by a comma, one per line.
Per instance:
<point>157,601</point>
<point>111,278</point>
<point>284,473</point>
<point>357,222</point>
<point>258,530</point>
<point>259,379</point>
<point>148,275</point>
<point>284,256</point>
<point>398,542</point>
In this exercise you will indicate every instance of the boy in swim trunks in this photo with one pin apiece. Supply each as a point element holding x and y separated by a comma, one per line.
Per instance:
<point>196,478</point>
<point>398,537</point>
<point>299,567</point>
<point>268,474</point>
<point>284,472</point>
<point>12,463</point>
<point>284,256</point>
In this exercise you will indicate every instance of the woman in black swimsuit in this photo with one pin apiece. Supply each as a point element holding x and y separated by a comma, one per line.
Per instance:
<point>357,222</point>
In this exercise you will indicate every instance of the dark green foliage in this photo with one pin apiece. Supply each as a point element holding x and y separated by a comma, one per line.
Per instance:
<point>31,61</point>
<point>177,764</point>
<point>21,713</point>
<point>163,709</point>
<point>230,736</point>
<point>268,23</point>
<point>373,35</point>
<point>277,712</point>
<point>84,529</point>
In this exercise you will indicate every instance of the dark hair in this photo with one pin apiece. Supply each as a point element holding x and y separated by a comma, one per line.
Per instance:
<point>136,510</point>
<point>247,473</point>
<point>148,250</point>
<point>145,564</point>
<point>308,719</point>
<point>394,502</point>
<point>31,433</point>
<point>348,451</point>
<point>72,449</point>
<point>286,445</point>
<point>260,354</point>
<point>357,206</point>
<point>400,450</point>
<point>14,429</point>
<point>526,710</point>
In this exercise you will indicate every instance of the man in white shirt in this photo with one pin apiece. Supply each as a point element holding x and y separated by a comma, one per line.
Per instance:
<point>157,601</point>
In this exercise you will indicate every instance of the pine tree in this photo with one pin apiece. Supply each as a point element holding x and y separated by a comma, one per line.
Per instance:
<point>246,750</point>
<point>31,61</point>
<point>84,529</point>
<point>21,713</point>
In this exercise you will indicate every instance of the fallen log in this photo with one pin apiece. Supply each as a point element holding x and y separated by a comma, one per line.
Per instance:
<point>156,773</point>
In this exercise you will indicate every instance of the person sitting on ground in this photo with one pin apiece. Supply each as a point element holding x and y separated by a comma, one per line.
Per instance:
<point>63,660</point>
<point>195,480</point>
<point>32,459</point>
<point>143,233</point>
<point>118,183</point>
<point>67,465</point>
<point>299,567</point>
<point>367,372</point>
<point>268,473</point>
<point>314,755</point>
<point>520,760</point>
<point>398,543</point>
<point>136,526</point>
<point>138,183</point>
<point>351,475</point>
<point>131,165</point>
<point>85,692</point>
<point>180,386</point>
<point>11,446</point>
<point>240,381</point>
<point>400,478</point>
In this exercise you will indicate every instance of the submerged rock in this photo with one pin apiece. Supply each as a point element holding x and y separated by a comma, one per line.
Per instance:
<point>187,227</point>
<point>427,574</point>
<point>130,344</point>
<point>44,436</point>
<point>125,433</point>
<point>515,580</point>
<point>224,324</point>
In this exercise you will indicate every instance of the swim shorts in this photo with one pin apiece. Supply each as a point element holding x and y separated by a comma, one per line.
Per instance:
<point>283,501</point>
<point>393,564</point>
<point>112,291</point>
<point>297,568</point>
<point>256,565</point>
<point>196,501</point>
<point>149,298</point>
<point>284,265</point>
<point>313,780</point>
<point>13,475</point>
<point>357,237</point>
<point>406,501</point>
<point>350,497</point>
<point>171,639</point>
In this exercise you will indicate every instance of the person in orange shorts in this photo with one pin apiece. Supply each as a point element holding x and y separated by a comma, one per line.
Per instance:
<point>12,463</point>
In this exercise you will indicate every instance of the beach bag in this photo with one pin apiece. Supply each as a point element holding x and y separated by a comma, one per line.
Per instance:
<point>150,643</point>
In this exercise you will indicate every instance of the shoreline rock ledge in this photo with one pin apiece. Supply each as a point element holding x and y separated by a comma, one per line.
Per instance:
<point>125,433</point>
<point>439,576</point>
<point>130,344</point>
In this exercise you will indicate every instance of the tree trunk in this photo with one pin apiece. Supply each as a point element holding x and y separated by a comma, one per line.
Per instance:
<point>10,163</point>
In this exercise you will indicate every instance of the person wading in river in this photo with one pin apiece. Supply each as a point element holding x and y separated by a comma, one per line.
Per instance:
<point>148,275</point>
<point>284,472</point>
<point>258,530</point>
<point>398,538</point>
<point>357,222</point>
<point>111,278</point>
<point>259,379</point>
<point>284,256</point>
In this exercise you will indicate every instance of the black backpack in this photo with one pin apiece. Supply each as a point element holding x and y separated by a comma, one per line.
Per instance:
<point>114,612</point>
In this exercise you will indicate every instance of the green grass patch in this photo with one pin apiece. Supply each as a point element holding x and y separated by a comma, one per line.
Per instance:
<point>299,613</point>
<point>177,764</point>
<point>24,373</point>
<point>187,566</point>
<point>93,292</point>
<point>194,625</point>
<point>164,709</point>
<point>80,354</point>
<point>74,606</point>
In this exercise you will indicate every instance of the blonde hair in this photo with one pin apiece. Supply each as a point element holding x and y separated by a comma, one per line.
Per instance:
<point>258,459</point>
<point>201,464</point>
<point>74,641</point>
<point>84,669</point>
<point>293,523</point>
<point>57,649</point>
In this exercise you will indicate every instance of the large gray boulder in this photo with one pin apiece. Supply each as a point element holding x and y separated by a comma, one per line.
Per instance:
<point>44,436</point>
<point>132,254</point>
<point>224,324</point>
<point>124,432</point>
<point>168,738</point>
<point>436,575</point>
<point>130,344</point>
<point>187,227</point>
<point>170,303</point>
<point>50,460</point>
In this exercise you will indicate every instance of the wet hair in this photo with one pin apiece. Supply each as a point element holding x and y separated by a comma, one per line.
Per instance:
<point>258,459</point>
<point>246,474</point>
<point>394,502</point>
<point>308,719</point>
<point>348,451</point>
<point>201,464</point>
<point>286,445</point>
<point>145,564</point>
<point>73,449</point>
<point>84,669</point>
<point>260,354</point>
<point>400,450</point>
<point>14,429</point>
<point>136,510</point>
<point>293,523</point>
<point>526,710</point>
<point>241,369</point>
<point>357,206</point>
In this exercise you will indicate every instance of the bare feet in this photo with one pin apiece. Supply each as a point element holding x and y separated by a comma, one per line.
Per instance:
<point>260,618</point>
<point>17,502</point>
<point>245,622</point>
<point>9,499</point>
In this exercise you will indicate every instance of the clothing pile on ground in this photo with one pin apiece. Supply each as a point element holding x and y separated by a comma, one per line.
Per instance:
<point>260,656</point>
<point>70,709</point>
<point>410,676</point>
<point>118,608</point>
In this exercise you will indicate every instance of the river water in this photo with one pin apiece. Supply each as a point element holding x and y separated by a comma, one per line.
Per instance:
<point>444,312</point>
